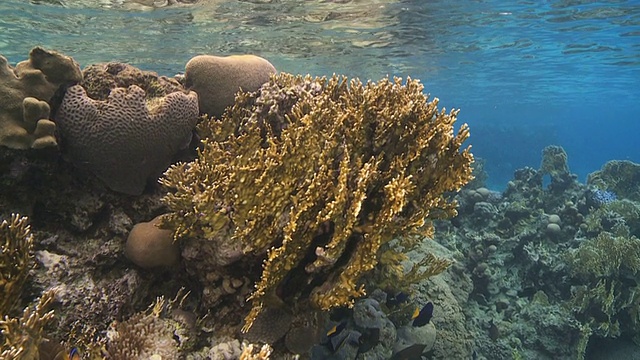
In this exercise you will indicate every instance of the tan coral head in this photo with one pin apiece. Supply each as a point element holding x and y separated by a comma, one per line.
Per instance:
<point>150,247</point>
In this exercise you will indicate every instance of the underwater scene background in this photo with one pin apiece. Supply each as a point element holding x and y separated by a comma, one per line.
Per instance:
<point>525,74</point>
<point>537,257</point>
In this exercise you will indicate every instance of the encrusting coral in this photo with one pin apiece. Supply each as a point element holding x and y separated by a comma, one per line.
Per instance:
<point>320,196</point>
<point>24,93</point>
<point>100,79</point>
<point>16,259</point>
<point>124,140</point>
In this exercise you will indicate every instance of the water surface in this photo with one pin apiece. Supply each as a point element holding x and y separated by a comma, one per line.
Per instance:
<point>526,74</point>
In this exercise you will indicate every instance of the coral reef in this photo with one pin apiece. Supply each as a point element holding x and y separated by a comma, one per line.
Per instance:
<point>146,335</point>
<point>249,353</point>
<point>217,79</point>
<point>100,79</point>
<point>554,162</point>
<point>16,259</point>
<point>124,141</point>
<point>554,268</point>
<point>356,166</point>
<point>606,298</point>
<point>620,177</point>
<point>25,91</point>
<point>20,338</point>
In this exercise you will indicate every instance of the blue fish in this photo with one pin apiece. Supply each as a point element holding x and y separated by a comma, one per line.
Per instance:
<point>73,354</point>
<point>421,317</point>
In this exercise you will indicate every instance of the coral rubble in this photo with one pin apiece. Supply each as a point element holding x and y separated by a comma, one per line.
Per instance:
<point>320,196</point>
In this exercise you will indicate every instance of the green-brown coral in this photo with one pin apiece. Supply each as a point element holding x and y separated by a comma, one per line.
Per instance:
<point>554,162</point>
<point>620,176</point>
<point>607,266</point>
<point>16,259</point>
<point>347,168</point>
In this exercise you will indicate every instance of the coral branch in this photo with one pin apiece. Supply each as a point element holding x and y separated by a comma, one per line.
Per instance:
<point>317,174</point>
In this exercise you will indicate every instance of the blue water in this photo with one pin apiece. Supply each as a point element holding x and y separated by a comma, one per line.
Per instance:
<point>526,74</point>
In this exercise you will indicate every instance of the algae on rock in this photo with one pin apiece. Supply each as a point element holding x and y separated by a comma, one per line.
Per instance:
<point>318,181</point>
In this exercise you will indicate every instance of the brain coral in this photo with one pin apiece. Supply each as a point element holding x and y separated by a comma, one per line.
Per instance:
<point>217,79</point>
<point>122,140</point>
<point>24,93</point>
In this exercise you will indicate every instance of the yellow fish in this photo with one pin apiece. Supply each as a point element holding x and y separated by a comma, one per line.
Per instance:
<point>71,355</point>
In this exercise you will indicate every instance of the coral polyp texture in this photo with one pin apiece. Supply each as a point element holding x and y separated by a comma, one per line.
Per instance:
<point>318,197</point>
<point>124,140</point>
<point>24,95</point>
<point>100,79</point>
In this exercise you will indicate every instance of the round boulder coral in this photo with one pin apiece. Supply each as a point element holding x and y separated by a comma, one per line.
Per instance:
<point>149,247</point>
<point>217,79</point>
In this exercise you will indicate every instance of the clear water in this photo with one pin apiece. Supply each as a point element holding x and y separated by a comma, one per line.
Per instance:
<point>526,74</point>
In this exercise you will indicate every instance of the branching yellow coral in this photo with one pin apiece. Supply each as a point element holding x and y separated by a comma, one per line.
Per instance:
<point>22,336</point>
<point>320,183</point>
<point>249,353</point>
<point>603,265</point>
<point>16,259</point>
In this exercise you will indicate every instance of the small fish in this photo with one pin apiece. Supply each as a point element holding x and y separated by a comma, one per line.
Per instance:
<point>335,338</point>
<point>73,354</point>
<point>339,338</point>
<point>397,299</point>
<point>421,317</point>
<point>336,329</point>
